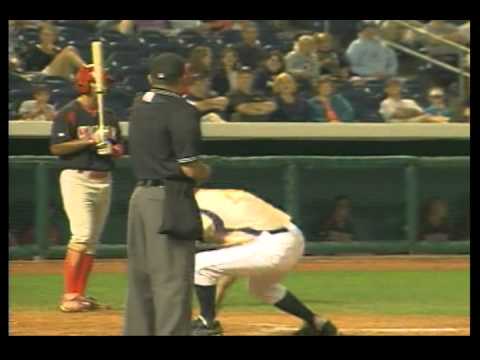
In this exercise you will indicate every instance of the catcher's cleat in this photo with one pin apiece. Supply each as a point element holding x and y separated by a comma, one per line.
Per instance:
<point>200,327</point>
<point>327,329</point>
<point>75,305</point>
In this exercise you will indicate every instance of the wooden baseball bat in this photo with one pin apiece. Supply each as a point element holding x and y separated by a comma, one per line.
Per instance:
<point>97,55</point>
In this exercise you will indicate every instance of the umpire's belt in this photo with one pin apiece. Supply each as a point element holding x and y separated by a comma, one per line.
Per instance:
<point>259,232</point>
<point>154,182</point>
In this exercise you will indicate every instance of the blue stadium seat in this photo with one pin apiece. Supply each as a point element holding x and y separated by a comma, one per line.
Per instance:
<point>231,36</point>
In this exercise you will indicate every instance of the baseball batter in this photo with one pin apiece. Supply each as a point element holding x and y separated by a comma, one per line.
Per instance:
<point>261,243</point>
<point>85,183</point>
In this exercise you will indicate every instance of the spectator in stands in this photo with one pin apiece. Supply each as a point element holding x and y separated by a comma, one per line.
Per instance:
<point>443,29</point>
<point>245,105</point>
<point>210,106</point>
<point>330,62</point>
<point>434,223</point>
<point>438,104</point>
<point>328,106</point>
<point>339,224</point>
<point>463,34</point>
<point>250,52</point>
<point>391,31</point>
<point>395,109</point>
<point>224,79</point>
<point>170,27</point>
<point>272,66</point>
<point>369,57</point>
<point>49,58</point>
<point>218,25</point>
<point>200,60</point>
<point>38,109</point>
<point>462,113</point>
<point>291,107</point>
<point>302,62</point>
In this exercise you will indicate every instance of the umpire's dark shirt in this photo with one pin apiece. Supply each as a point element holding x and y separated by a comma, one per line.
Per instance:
<point>164,132</point>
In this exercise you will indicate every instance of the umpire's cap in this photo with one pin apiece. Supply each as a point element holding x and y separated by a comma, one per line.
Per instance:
<point>167,67</point>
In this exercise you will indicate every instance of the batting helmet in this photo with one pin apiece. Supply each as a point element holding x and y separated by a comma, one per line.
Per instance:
<point>85,77</point>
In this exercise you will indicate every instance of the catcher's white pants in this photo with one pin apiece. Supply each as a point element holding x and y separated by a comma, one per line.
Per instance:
<point>265,261</point>
<point>86,202</point>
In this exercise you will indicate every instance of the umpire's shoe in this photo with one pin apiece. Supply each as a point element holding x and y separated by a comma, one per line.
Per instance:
<point>327,329</point>
<point>200,327</point>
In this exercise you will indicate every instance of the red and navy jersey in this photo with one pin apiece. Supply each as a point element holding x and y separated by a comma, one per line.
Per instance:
<point>74,122</point>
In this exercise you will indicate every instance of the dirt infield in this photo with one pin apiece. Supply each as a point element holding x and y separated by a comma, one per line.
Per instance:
<point>109,323</point>
<point>236,323</point>
<point>364,263</point>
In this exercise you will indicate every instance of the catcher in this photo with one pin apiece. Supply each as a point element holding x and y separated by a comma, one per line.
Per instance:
<point>85,183</point>
<point>259,242</point>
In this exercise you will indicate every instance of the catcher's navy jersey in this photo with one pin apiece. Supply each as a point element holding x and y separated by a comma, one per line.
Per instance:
<point>74,122</point>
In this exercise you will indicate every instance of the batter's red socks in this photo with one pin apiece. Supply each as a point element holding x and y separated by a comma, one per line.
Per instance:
<point>86,264</point>
<point>71,271</point>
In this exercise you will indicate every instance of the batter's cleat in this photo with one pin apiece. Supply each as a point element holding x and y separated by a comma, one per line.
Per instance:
<point>327,329</point>
<point>200,327</point>
<point>95,304</point>
<point>75,305</point>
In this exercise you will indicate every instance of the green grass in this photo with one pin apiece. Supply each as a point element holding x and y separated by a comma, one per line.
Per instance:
<point>353,292</point>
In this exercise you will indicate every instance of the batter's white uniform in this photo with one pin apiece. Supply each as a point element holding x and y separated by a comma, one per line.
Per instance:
<point>265,260</point>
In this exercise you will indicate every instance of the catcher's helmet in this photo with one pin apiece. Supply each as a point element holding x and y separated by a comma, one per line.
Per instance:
<point>85,77</point>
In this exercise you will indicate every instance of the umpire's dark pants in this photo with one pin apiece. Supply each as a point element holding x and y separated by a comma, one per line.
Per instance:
<point>160,270</point>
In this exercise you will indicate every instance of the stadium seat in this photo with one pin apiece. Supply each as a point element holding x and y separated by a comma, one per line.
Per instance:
<point>75,24</point>
<point>191,37</point>
<point>15,81</point>
<point>231,36</point>
<point>148,37</point>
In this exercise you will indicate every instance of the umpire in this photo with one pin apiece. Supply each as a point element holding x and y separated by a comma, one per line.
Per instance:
<point>163,219</point>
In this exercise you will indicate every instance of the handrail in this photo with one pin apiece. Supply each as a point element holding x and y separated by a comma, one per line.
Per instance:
<point>427,58</point>
<point>433,36</point>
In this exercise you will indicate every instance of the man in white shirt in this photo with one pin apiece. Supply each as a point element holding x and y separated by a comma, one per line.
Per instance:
<point>257,241</point>
<point>394,109</point>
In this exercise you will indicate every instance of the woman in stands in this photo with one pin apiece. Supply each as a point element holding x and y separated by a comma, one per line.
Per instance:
<point>328,106</point>
<point>291,107</point>
<point>225,77</point>
<point>50,59</point>
<point>272,66</point>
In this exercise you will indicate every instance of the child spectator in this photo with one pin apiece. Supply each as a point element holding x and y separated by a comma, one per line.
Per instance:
<point>438,105</point>
<point>210,106</point>
<point>273,65</point>
<point>38,109</point>
<point>328,106</point>
<point>225,78</point>
<point>250,52</point>
<point>395,109</point>
<point>369,57</point>
<point>434,224</point>
<point>245,105</point>
<point>291,107</point>
<point>302,62</point>
<point>339,225</point>
<point>49,58</point>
